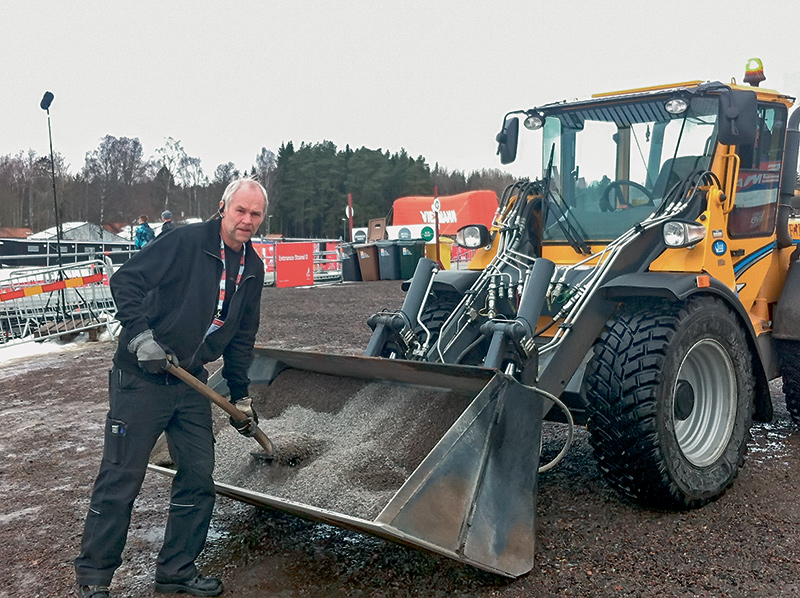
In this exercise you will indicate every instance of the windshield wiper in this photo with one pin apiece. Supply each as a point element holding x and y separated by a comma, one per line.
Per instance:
<point>571,233</point>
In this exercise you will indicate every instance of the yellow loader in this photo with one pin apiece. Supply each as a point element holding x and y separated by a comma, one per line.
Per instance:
<point>644,284</point>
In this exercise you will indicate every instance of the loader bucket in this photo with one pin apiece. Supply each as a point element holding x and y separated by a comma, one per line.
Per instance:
<point>438,457</point>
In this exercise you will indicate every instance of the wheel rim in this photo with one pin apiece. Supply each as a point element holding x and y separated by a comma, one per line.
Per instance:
<point>704,403</point>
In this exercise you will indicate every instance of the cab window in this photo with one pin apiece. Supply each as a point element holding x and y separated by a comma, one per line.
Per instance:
<point>759,177</point>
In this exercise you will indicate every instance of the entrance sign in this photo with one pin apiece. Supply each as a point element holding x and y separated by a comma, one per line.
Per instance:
<point>294,264</point>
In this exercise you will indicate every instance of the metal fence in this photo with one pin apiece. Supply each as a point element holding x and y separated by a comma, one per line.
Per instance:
<point>47,302</point>
<point>50,301</point>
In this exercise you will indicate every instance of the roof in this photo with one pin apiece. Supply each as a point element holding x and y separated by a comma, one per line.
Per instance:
<point>79,231</point>
<point>7,232</point>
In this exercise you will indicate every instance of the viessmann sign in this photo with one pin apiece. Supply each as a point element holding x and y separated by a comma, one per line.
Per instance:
<point>455,211</point>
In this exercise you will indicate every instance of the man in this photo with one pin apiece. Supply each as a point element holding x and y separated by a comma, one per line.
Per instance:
<point>167,223</point>
<point>188,298</point>
<point>143,234</point>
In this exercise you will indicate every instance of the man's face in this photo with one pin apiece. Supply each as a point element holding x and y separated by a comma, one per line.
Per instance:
<point>243,216</point>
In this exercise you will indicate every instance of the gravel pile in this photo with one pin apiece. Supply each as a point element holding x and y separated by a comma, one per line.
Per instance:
<point>343,445</point>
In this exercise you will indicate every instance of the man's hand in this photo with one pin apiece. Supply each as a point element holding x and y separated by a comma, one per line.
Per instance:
<point>245,427</point>
<point>152,356</point>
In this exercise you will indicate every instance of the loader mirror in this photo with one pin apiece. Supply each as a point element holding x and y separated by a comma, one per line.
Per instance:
<point>473,236</point>
<point>507,140</point>
<point>738,117</point>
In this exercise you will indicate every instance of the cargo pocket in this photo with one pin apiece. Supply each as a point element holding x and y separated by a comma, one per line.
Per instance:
<point>114,449</point>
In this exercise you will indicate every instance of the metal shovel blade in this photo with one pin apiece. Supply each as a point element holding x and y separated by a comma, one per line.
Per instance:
<point>471,494</point>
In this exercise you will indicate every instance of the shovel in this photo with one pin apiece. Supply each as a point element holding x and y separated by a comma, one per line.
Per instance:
<point>269,449</point>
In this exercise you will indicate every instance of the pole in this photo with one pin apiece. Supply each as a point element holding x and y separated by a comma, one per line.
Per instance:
<point>45,105</point>
<point>350,212</point>
<point>436,225</point>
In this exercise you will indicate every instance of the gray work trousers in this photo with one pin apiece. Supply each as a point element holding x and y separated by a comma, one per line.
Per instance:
<point>139,412</point>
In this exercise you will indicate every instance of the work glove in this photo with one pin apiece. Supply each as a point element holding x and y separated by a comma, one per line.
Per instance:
<point>152,357</point>
<point>246,427</point>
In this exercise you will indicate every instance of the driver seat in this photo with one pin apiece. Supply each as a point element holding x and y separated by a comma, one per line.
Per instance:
<point>676,169</point>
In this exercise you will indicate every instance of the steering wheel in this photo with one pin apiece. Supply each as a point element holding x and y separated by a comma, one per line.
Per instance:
<point>605,204</point>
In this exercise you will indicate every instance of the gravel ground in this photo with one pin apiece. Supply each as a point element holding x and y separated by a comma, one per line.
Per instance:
<point>590,542</point>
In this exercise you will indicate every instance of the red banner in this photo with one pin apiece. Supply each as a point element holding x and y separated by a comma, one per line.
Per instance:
<point>294,264</point>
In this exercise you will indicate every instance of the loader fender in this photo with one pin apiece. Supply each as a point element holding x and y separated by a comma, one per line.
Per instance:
<point>456,281</point>
<point>681,286</point>
<point>786,323</point>
<point>675,287</point>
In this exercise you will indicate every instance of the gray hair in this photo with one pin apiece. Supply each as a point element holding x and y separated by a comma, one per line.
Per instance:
<point>235,185</point>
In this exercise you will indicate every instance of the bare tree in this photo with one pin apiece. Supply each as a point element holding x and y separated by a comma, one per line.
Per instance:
<point>225,173</point>
<point>266,165</point>
<point>193,178</point>
<point>169,157</point>
<point>110,172</point>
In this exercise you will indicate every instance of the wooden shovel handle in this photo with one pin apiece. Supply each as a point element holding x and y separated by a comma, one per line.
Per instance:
<point>222,403</point>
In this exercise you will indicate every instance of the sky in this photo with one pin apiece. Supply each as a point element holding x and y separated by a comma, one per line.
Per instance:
<point>432,77</point>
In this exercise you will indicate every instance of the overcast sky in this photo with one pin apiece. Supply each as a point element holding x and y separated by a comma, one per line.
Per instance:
<point>433,77</point>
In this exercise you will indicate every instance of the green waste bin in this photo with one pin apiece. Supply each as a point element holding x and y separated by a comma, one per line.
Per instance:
<point>388,259</point>
<point>410,252</point>
<point>351,271</point>
<point>368,261</point>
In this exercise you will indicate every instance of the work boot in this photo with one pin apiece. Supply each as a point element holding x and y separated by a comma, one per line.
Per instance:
<point>199,586</point>
<point>93,592</point>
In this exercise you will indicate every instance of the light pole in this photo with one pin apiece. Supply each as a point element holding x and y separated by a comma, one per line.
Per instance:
<point>269,224</point>
<point>47,99</point>
<point>344,229</point>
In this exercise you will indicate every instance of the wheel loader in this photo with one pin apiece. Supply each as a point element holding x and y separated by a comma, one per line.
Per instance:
<point>643,284</point>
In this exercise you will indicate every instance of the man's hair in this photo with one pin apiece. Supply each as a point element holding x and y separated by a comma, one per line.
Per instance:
<point>143,218</point>
<point>235,185</point>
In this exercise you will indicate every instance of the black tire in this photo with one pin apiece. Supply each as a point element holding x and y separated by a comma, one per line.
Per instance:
<point>438,307</point>
<point>789,362</point>
<point>671,397</point>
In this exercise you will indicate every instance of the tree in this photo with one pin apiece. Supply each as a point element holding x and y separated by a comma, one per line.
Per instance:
<point>491,178</point>
<point>307,187</point>
<point>170,157</point>
<point>195,181</point>
<point>111,171</point>
<point>225,173</point>
<point>449,183</point>
<point>265,167</point>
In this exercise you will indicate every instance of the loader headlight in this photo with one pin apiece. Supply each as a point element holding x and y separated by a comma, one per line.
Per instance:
<point>534,120</point>
<point>676,106</point>
<point>473,236</point>
<point>682,234</point>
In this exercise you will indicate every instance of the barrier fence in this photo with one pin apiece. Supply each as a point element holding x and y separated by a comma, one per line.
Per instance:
<point>51,301</point>
<point>41,303</point>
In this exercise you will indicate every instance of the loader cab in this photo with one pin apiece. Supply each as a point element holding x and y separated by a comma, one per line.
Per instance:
<point>612,164</point>
<point>609,162</point>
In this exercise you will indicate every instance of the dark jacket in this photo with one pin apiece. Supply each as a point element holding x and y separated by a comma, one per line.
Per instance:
<point>172,287</point>
<point>166,227</point>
